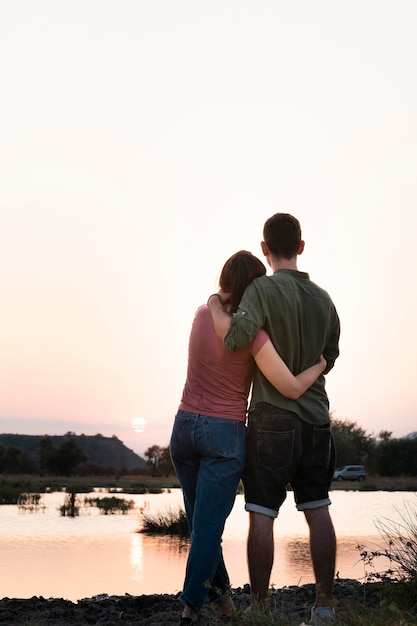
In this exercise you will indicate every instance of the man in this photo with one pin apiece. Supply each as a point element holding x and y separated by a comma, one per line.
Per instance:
<point>288,441</point>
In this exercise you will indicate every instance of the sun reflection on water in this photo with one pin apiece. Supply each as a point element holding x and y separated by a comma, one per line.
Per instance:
<point>136,556</point>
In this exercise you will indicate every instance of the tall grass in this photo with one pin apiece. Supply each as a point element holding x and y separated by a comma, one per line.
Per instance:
<point>399,546</point>
<point>71,506</point>
<point>12,488</point>
<point>168,521</point>
<point>110,505</point>
<point>30,503</point>
<point>399,580</point>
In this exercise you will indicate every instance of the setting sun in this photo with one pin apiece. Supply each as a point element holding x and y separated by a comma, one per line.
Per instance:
<point>139,424</point>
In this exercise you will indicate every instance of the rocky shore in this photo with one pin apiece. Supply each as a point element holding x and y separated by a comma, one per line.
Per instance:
<point>290,603</point>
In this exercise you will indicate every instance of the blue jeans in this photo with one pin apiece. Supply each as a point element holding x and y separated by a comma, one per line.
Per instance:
<point>208,454</point>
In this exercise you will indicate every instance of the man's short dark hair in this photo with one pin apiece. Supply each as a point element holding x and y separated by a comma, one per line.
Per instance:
<point>282,235</point>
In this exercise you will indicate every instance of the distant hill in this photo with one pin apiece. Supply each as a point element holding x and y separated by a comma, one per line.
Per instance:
<point>103,451</point>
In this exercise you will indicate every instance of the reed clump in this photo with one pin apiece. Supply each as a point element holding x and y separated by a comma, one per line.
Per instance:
<point>168,521</point>
<point>110,505</point>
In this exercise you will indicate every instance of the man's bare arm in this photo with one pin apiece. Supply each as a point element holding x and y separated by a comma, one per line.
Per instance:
<point>217,303</point>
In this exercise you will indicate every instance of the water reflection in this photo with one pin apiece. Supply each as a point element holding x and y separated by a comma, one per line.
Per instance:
<point>136,556</point>
<point>52,556</point>
<point>349,563</point>
<point>298,552</point>
<point>156,550</point>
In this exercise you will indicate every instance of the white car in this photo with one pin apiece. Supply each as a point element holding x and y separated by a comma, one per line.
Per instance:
<point>350,472</point>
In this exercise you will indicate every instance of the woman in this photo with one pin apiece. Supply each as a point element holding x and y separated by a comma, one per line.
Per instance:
<point>208,438</point>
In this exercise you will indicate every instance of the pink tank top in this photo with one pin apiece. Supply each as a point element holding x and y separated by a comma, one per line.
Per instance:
<point>218,381</point>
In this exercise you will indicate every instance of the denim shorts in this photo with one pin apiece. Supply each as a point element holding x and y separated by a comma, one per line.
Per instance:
<point>282,450</point>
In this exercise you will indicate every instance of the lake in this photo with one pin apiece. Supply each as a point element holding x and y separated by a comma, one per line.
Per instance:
<point>44,554</point>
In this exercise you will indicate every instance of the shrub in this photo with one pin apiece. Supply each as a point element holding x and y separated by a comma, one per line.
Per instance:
<point>167,522</point>
<point>10,490</point>
<point>111,504</point>
<point>71,506</point>
<point>400,539</point>
<point>30,503</point>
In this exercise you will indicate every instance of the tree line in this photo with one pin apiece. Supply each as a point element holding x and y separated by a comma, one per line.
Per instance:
<point>68,455</point>
<point>382,455</point>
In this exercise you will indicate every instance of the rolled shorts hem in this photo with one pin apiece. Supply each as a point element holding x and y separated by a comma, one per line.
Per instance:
<point>257,508</point>
<point>315,504</point>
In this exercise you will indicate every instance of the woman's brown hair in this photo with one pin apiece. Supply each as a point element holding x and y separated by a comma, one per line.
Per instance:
<point>238,271</point>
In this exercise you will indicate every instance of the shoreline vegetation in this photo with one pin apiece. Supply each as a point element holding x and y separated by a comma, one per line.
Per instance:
<point>143,483</point>
<point>15,486</point>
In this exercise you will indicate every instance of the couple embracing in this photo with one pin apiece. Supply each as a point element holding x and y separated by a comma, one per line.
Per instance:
<point>275,336</point>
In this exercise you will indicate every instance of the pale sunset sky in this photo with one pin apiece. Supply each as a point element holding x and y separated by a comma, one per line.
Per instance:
<point>143,142</point>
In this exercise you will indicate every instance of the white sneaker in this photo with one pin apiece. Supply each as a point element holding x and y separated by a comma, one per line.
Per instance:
<point>321,616</point>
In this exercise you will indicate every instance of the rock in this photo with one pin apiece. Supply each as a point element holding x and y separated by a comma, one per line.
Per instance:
<point>292,603</point>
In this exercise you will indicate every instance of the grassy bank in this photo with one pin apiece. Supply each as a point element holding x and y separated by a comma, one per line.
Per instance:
<point>378,483</point>
<point>13,485</point>
<point>142,483</point>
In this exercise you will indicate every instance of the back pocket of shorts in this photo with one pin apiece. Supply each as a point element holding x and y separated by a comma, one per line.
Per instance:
<point>275,449</point>
<point>321,446</point>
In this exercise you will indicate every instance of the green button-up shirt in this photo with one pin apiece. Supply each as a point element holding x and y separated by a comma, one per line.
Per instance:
<point>302,322</point>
